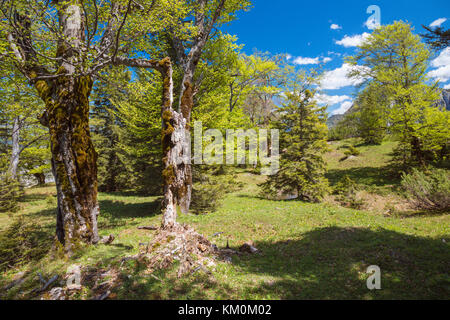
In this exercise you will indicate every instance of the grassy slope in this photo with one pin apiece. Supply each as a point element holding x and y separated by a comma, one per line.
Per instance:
<point>308,251</point>
<point>370,168</point>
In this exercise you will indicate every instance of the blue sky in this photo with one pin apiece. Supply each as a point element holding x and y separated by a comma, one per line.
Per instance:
<point>323,32</point>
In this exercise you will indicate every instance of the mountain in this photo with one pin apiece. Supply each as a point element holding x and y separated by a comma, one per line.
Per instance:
<point>444,102</point>
<point>445,99</point>
<point>333,120</point>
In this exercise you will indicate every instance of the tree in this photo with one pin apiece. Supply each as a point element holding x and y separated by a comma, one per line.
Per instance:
<point>303,141</point>
<point>203,16</point>
<point>438,38</point>
<point>107,129</point>
<point>60,46</point>
<point>20,108</point>
<point>396,59</point>
<point>370,114</point>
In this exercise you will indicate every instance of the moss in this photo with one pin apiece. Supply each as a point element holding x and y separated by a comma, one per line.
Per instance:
<point>167,115</point>
<point>68,117</point>
<point>187,101</point>
<point>164,63</point>
<point>169,174</point>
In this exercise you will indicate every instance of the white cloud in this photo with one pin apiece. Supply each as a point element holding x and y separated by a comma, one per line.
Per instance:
<point>343,108</point>
<point>438,22</point>
<point>306,60</point>
<point>353,41</point>
<point>447,86</point>
<point>337,78</point>
<point>302,60</point>
<point>335,27</point>
<point>442,63</point>
<point>443,59</point>
<point>331,100</point>
<point>288,57</point>
<point>441,74</point>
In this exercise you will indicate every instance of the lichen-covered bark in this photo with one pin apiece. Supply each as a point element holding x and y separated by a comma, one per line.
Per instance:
<point>176,156</point>
<point>15,152</point>
<point>186,105</point>
<point>73,159</point>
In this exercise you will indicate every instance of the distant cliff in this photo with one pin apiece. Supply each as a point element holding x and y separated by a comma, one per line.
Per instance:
<point>444,102</point>
<point>445,99</point>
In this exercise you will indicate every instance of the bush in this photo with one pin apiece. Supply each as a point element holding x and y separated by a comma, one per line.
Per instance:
<point>429,190</point>
<point>10,193</point>
<point>351,151</point>
<point>346,190</point>
<point>22,243</point>
<point>210,187</point>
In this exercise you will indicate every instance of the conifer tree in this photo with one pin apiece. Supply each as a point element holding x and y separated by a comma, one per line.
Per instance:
<point>303,142</point>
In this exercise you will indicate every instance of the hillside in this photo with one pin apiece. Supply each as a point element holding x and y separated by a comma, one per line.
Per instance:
<point>307,251</point>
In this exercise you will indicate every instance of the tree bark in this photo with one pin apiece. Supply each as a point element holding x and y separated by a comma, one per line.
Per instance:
<point>15,152</point>
<point>189,63</point>
<point>74,160</point>
<point>40,177</point>
<point>176,156</point>
<point>186,105</point>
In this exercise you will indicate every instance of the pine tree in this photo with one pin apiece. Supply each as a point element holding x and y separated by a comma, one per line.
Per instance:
<point>303,141</point>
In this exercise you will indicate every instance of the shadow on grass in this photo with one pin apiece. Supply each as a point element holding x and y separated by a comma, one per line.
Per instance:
<point>164,285</point>
<point>117,213</point>
<point>24,242</point>
<point>331,263</point>
<point>422,213</point>
<point>369,176</point>
<point>33,197</point>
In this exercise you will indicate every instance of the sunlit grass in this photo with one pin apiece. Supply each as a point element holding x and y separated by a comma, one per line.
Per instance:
<point>308,251</point>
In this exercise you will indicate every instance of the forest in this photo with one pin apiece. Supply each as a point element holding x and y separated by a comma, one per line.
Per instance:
<point>146,152</point>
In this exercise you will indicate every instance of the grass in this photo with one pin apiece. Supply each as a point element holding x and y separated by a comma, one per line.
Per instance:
<point>308,251</point>
<point>370,169</point>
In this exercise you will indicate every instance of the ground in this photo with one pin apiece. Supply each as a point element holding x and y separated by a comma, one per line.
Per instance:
<point>306,251</point>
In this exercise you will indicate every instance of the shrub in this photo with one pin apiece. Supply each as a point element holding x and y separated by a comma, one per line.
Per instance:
<point>10,193</point>
<point>429,190</point>
<point>210,187</point>
<point>344,185</point>
<point>21,243</point>
<point>351,151</point>
<point>346,190</point>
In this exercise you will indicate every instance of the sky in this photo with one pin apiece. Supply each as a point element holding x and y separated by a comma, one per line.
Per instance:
<point>313,33</point>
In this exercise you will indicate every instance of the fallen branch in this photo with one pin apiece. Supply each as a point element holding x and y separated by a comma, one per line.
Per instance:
<point>147,228</point>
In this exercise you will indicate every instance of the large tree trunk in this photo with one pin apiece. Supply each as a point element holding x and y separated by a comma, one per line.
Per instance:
<point>176,156</point>
<point>15,152</point>
<point>186,105</point>
<point>74,160</point>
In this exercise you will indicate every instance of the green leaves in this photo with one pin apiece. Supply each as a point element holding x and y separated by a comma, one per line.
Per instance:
<point>399,94</point>
<point>302,125</point>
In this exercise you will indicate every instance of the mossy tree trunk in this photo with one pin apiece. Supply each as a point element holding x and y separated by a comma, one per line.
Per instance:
<point>174,140</point>
<point>74,160</point>
<point>186,105</point>
<point>176,155</point>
